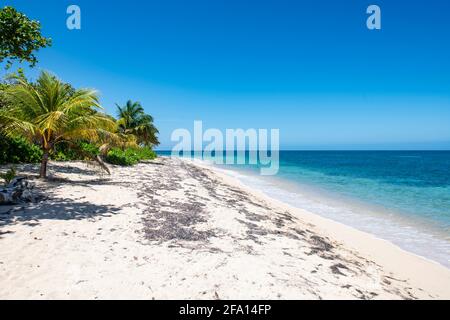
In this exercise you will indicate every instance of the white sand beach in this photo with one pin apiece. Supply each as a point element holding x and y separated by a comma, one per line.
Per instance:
<point>174,229</point>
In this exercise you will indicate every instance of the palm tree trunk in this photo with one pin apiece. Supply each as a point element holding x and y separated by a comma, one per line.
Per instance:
<point>102,164</point>
<point>43,170</point>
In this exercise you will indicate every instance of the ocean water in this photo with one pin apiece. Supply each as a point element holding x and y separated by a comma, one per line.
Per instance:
<point>400,196</point>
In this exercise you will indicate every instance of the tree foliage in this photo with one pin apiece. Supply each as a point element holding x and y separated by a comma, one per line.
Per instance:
<point>50,119</point>
<point>129,156</point>
<point>20,37</point>
<point>50,112</point>
<point>18,150</point>
<point>132,120</point>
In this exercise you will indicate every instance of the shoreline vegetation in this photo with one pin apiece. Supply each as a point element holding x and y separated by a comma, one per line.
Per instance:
<point>49,119</point>
<point>183,230</point>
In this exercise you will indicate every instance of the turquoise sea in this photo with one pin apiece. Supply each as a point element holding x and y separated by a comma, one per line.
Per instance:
<point>400,196</point>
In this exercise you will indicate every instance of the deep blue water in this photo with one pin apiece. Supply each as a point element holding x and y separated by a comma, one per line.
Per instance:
<point>410,188</point>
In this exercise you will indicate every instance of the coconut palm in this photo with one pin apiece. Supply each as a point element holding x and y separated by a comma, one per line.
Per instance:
<point>134,121</point>
<point>49,112</point>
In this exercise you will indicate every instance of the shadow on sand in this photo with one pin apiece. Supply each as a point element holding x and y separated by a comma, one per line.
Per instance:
<point>55,207</point>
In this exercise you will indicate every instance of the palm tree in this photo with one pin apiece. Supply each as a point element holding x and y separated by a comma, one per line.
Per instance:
<point>134,121</point>
<point>49,112</point>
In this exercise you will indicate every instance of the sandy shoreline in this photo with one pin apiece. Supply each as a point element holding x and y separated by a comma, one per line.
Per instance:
<point>173,229</point>
<point>390,256</point>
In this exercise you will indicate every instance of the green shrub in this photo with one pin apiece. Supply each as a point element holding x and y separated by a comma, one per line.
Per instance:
<point>59,155</point>
<point>79,151</point>
<point>121,157</point>
<point>145,153</point>
<point>89,150</point>
<point>129,156</point>
<point>8,175</point>
<point>18,150</point>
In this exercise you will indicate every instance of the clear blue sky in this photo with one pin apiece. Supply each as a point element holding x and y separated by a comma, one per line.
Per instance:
<point>310,68</point>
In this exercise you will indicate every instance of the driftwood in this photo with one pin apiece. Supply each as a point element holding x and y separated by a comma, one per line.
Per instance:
<point>19,190</point>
